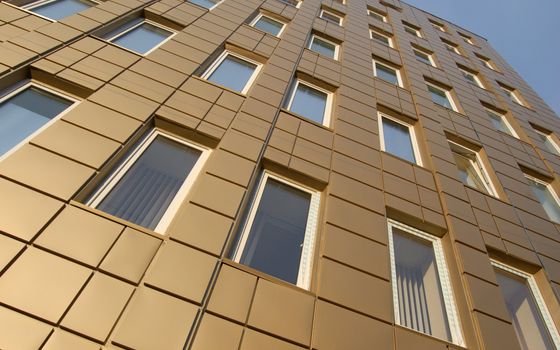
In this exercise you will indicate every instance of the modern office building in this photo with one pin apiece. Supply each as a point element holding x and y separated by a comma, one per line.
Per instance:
<point>270,175</point>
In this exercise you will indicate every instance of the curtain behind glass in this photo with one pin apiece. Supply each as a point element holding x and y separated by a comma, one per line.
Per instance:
<point>143,194</point>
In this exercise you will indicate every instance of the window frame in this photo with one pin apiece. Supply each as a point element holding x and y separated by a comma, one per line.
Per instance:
<point>340,19</point>
<point>504,120</point>
<point>549,138</point>
<point>336,46</point>
<point>261,15</point>
<point>443,274</point>
<point>548,188</point>
<point>33,4</point>
<point>466,38</point>
<point>411,133</point>
<point>127,30</point>
<point>511,93</point>
<point>486,62</point>
<point>109,183</point>
<point>397,71</point>
<point>447,94</point>
<point>477,80</point>
<point>287,2</point>
<point>478,166</point>
<point>209,9</point>
<point>378,32</point>
<point>375,12</point>
<point>422,51</point>
<point>218,61</point>
<point>452,47</point>
<point>537,297</point>
<point>11,93</point>
<point>328,107</point>
<point>438,26</point>
<point>311,230</point>
<point>416,33</point>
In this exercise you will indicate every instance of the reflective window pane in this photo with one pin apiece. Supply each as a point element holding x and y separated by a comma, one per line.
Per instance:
<point>142,38</point>
<point>309,102</point>
<point>323,47</point>
<point>275,240</point>
<point>386,73</point>
<point>466,163</point>
<point>420,297</point>
<point>380,38</point>
<point>61,8</point>
<point>377,16</point>
<point>546,199</point>
<point>144,193</point>
<point>440,97</point>
<point>420,56</point>
<point>397,141</point>
<point>528,323</point>
<point>24,113</point>
<point>330,17</point>
<point>498,122</point>
<point>233,72</point>
<point>205,3</point>
<point>267,24</point>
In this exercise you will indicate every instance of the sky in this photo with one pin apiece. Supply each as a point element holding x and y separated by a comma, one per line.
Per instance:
<point>524,32</point>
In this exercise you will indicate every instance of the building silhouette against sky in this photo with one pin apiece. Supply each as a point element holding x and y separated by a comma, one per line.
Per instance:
<point>279,174</point>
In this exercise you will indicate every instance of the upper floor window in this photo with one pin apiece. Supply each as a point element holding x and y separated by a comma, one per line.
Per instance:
<point>511,93</point>
<point>409,28</point>
<point>423,55</point>
<point>500,122</point>
<point>139,35</point>
<point>471,77</point>
<point>532,322</point>
<point>151,182</point>
<point>330,16</point>
<point>546,196</point>
<point>387,72</point>
<point>278,237</point>
<point>26,110</point>
<point>466,38</point>
<point>441,96</point>
<point>548,140</point>
<point>421,285</point>
<point>233,71</point>
<point>324,46</point>
<point>294,3</point>
<point>311,102</point>
<point>58,9</point>
<point>398,138</point>
<point>268,24</point>
<point>207,4</point>
<point>378,15</point>
<point>381,37</point>
<point>486,62</point>
<point>471,169</point>
<point>452,47</point>
<point>437,25</point>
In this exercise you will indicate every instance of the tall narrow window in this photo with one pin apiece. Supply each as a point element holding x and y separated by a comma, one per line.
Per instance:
<point>25,111</point>
<point>546,137</point>
<point>471,169</point>
<point>441,96</point>
<point>139,35</point>
<point>500,122</point>
<point>207,4</point>
<point>424,56</point>
<point>381,37</point>
<point>387,73</point>
<point>268,24</point>
<point>58,9</point>
<point>233,71</point>
<point>279,235</point>
<point>330,16</point>
<point>531,319</point>
<point>398,139</point>
<point>324,46</point>
<point>546,196</point>
<point>149,185</point>
<point>311,102</point>
<point>421,289</point>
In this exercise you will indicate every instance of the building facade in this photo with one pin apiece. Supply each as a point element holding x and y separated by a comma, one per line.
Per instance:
<point>279,174</point>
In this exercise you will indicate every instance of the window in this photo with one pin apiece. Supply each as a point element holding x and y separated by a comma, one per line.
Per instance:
<point>233,72</point>
<point>139,35</point>
<point>451,47</point>
<point>485,61</point>
<point>387,73</point>
<point>381,37</point>
<point>278,237</point>
<point>377,15</point>
<point>531,319</point>
<point>311,102</point>
<point>294,3</point>
<point>207,4</point>
<point>546,196</point>
<point>511,93</point>
<point>58,9</point>
<point>546,137</point>
<point>500,122</point>
<point>153,180</point>
<point>26,110</point>
<point>437,26</point>
<point>471,77</point>
<point>324,47</point>
<point>424,56</point>
<point>441,96</point>
<point>330,17</point>
<point>470,168</point>
<point>466,38</point>
<point>268,25</point>
<point>398,138</point>
<point>422,291</point>
<point>409,28</point>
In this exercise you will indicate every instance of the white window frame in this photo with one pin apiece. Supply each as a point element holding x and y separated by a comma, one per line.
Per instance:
<point>336,46</point>
<point>31,5</point>
<point>475,77</point>
<point>209,9</point>
<point>539,300</point>
<point>466,38</point>
<point>438,26</point>
<point>328,102</point>
<point>478,166</point>
<point>145,20</point>
<point>486,62</point>
<point>219,61</point>
<point>323,11</point>
<point>504,119</point>
<point>261,15</point>
<point>443,274</point>
<point>288,2</point>
<point>416,31</point>
<point>384,17</point>
<point>513,93</point>
<point>550,139</point>
<point>397,71</point>
<point>447,94</point>
<point>430,56</point>
<point>34,84</point>
<point>371,31</point>
<point>411,133</point>
<point>308,249</point>
<point>454,48</point>
<point>116,175</point>
<point>548,187</point>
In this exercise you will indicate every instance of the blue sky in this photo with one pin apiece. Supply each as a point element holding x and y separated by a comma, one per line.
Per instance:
<point>525,32</point>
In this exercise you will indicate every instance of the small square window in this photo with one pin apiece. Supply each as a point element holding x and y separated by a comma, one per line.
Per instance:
<point>324,47</point>
<point>377,15</point>
<point>58,9</point>
<point>438,26</point>
<point>379,36</point>
<point>25,111</point>
<point>278,237</point>
<point>232,71</point>
<point>331,17</point>
<point>207,4</point>
<point>421,287</point>
<point>268,25</point>
<point>387,73</point>
<point>311,102</point>
<point>151,183</point>
<point>471,170</point>
<point>441,97</point>
<point>139,35</point>
<point>294,3</point>
<point>412,30</point>
<point>466,38</point>
<point>546,137</point>
<point>398,138</point>
<point>511,93</point>
<point>500,122</point>
<point>424,56</point>
<point>471,77</point>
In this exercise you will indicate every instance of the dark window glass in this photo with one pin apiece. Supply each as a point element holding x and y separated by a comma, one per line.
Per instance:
<point>386,73</point>
<point>420,56</point>
<point>380,38</point>
<point>396,138</point>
